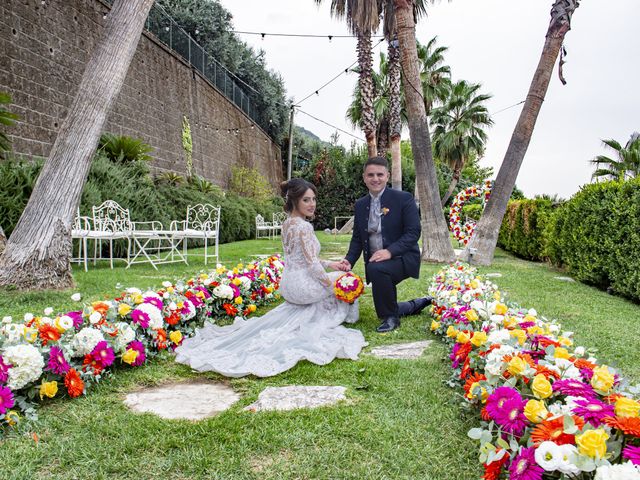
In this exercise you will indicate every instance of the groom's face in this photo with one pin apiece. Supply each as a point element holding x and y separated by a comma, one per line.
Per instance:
<point>375,178</point>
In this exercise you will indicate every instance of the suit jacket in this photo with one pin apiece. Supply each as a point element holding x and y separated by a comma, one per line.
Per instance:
<point>400,228</point>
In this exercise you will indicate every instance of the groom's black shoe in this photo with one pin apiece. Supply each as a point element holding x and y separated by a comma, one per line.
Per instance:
<point>413,307</point>
<point>388,324</point>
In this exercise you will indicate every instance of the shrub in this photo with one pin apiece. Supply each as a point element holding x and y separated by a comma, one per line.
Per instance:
<point>248,182</point>
<point>17,178</point>
<point>123,149</point>
<point>7,119</point>
<point>523,228</point>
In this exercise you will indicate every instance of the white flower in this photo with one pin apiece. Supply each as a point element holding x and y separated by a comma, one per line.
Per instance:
<point>151,293</point>
<point>497,319</point>
<point>133,291</point>
<point>189,309</point>
<point>553,328</point>
<point>48,311</point>
<point>246,283</point>
<point>13,332</point>
<point>95,317</point>
<point>173,306</point>
<point>26,365</point>
<point>278,264</point>
<point>155,314</point>
<point>559,409</point>
<point>494,360</point>
<point>499,336</point>
<point>126,334</point>
<point>7,319</point>
<point>567,369</point>
<point>567,463</point>
<point>532,312</point>
<point>579,351</point>
<point>166,295</point>
<point>548,455</point>
<point>167,284</point>
<point>623,471</point>
<point>28,317</point>
<point>86,340</point>
<point>65,322</point>
<point>207,282</point>
<point>467,297</point>
<point>76,297</point>
<point>46,320</point>
<point>223,291</point>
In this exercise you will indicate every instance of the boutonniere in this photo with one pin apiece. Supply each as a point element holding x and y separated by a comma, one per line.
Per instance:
<point>384,211</point>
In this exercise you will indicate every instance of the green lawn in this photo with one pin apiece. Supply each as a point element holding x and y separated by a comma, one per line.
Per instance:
<point>400,421</point>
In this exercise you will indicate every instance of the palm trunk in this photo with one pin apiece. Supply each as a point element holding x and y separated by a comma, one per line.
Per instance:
<point>3,240</point>
<point>436,246</point>
<point>395,122</point>
<point>38,253</point>
<point>482,246</point>
<point>365,62</point>
<point>452,186</point>
<point>382,136</point>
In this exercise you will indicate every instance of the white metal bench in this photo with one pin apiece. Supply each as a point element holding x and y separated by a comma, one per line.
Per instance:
<point>202,222</point>
<point>262,226</point>
<point>278,220</point>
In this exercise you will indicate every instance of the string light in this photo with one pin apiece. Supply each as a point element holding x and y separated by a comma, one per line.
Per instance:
<point>300,35</point>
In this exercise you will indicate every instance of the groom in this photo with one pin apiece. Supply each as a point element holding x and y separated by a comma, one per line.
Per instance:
<point>386,230</point>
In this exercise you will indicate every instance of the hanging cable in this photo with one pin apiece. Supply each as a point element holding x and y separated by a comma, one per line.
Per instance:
<point>332,126</point>
<point>303,35</point>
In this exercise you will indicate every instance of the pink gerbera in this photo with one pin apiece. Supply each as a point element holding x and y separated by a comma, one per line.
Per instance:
<point>6,399</point>
<point>524,466</point>
<point>77,318</point>
<point>57,363</point>
<point>575,388</point>
<point>593,411</point>
<point>498,397</point>
<point>506,407</point>
<point>139,347</point>
<point>103,354</point>
<point>155,301</point>
<point>632,453</point>
<point>140,317</point>
<point>4,370</point>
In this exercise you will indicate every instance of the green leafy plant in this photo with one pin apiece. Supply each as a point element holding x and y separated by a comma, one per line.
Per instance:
<point>202,184</point>
<point>248,182</point>
<point>169,178</point>
<point>187,145</point>
<point>7,119</point>
<point>124,149</point>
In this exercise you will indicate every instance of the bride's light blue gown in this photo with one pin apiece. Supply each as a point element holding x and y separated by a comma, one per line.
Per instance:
<point>307,326</point>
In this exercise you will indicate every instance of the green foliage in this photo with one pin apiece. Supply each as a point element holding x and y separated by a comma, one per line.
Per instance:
<point>7,119</point>
<point>170,178</point>
<point>248,182</point>
<point>202,185</point>
<point>595,236</point>
<point>523,230</point>
<point>124,149</point>
<point>187,145</point>
<point>17,178</point>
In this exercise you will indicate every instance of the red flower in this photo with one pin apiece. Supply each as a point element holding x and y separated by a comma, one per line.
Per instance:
<point>48,333</point>
<point>173,319</point>
<point>230,309</point>
<point>74,384</point>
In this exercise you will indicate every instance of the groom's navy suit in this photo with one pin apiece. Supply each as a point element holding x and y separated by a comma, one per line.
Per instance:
<point>400,229</point>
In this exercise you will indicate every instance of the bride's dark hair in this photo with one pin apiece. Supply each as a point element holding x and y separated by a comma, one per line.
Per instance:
<point>293,190</point>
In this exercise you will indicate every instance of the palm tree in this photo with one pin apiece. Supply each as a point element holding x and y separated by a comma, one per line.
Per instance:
<point>459,128</point>
<point>483,243</point>
<point>363,19</point>
<point>436,246</point>
<point>434,75</point>
<point>38,252</point>
<point>626,166</point>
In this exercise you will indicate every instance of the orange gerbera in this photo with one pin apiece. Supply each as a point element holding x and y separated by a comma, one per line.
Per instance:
<point>100,307</point>
<point>613,398</point>
<point>582,363</point>
<point>547,372</point>
<point>48,333</point>
<point>173,319</point>
<point>630,426</point>
<point>485,415</point>
<point>230,309</point>
<point>490,349</point>
<point>492,470</point>
<point>553,431</point>
<point>74,384</point>
<point>476,377</point>
<point>544,342</point>
<point>161,338</point>
<point>90,363</point>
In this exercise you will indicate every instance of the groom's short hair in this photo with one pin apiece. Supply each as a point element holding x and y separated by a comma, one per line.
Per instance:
<point>381,161</point>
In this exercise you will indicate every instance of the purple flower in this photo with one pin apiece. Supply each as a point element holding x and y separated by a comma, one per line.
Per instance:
<point>525,325</point>
<point>103,354</point>
<point>139,347</point>
<point>506,408</point>
<point>77,318</point>
<point>575,388</point>
<point>6,399</point>
<point>593,411</point>
<point>632,453</point>
<point>586,374</point>
<point>140,317</point>
<point>155,301</point>
<point>4,370</point>
<point>524,466</point>
<point>204,291</point>
<point>57,363</point>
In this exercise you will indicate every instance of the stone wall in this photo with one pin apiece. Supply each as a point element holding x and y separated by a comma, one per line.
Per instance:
<point>44,46</point>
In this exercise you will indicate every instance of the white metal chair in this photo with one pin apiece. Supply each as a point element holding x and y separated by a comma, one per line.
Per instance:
<point>80,231</point>
<point>110,222</point>
<point>262,226</point>
<point>278,220</point>
<point>202,222</point>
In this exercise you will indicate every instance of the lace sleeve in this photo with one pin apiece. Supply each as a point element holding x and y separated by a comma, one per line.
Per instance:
<point>310,254</point>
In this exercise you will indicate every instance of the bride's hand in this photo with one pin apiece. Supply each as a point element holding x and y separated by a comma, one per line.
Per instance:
<point>339,266</point>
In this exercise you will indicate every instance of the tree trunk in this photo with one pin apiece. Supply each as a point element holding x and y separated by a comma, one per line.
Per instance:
<point>395,122</point>
<point>452,186</point>
<point>382,137</point>
<point>3,240</point>
<point>436,246</point>
<point>482,246</point>
<point>365,62</point>
<point>38,253</point>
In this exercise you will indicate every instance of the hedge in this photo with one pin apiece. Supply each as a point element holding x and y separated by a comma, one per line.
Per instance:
<point>523,228</point>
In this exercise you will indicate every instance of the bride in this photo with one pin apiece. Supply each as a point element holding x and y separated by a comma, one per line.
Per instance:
<point>307,326</point>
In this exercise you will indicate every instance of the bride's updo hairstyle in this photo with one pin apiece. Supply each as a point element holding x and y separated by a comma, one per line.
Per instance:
<point>293,190</point>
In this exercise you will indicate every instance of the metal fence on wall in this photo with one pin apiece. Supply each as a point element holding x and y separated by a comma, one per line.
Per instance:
<point>167,30</point>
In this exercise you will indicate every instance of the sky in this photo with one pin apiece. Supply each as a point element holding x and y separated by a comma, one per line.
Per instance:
<point>493,42</point>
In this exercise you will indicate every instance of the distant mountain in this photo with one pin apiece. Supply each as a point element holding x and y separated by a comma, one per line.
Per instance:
<point>310,135</point>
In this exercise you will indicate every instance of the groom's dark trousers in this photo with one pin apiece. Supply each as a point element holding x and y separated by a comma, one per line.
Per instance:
<point>400,229</point>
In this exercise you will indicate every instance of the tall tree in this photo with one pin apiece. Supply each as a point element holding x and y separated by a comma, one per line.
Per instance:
<point>434,74</point>
<point>481,248</point>
<point>363,19</point>
<point>38,252</point>
<point>459,128</point>
<point>436,246</point>
<point>627,163</point>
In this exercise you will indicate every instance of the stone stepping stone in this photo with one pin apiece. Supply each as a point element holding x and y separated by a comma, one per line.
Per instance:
<point>401,350</point>
<point>493,275</point>
<point>565,279</point>
<point>297,396</point>
<point>185,401</point>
